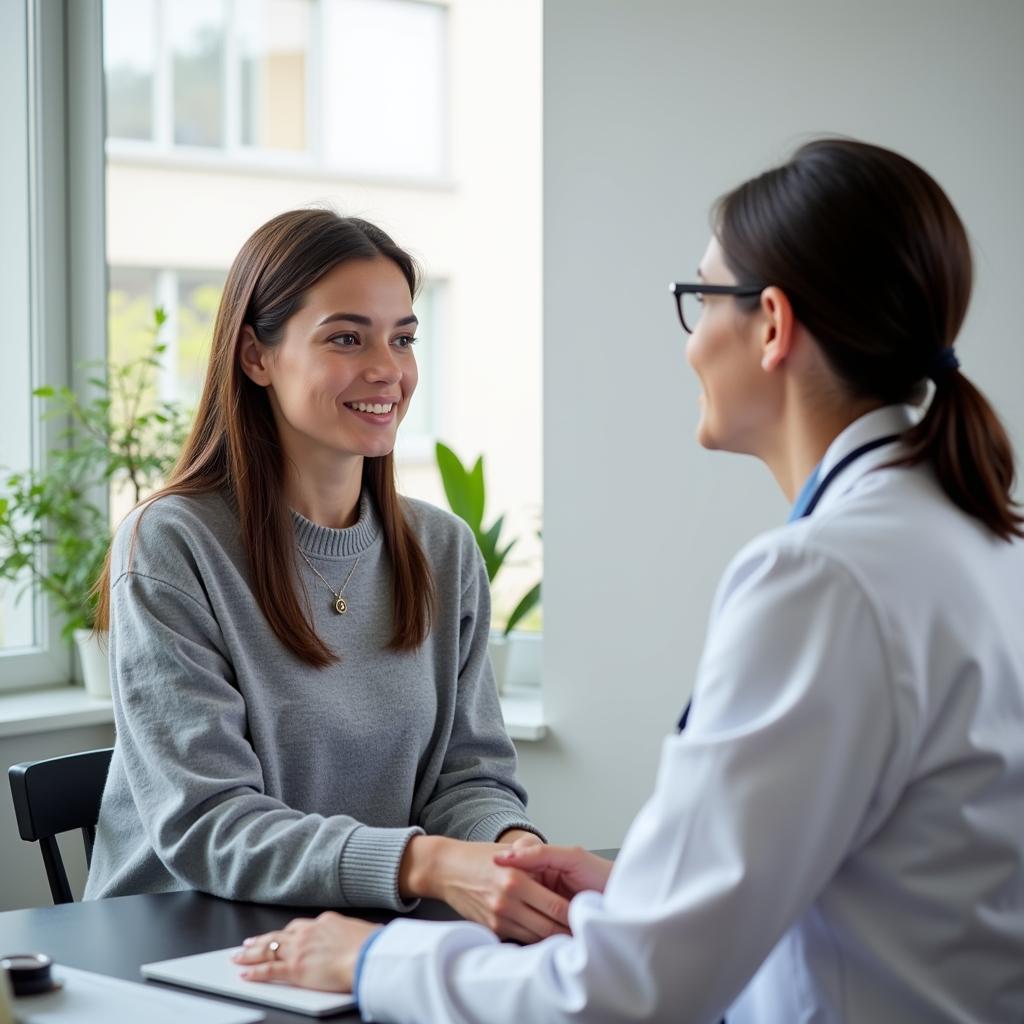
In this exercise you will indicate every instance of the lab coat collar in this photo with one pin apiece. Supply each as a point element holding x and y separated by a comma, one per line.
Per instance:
<point>890,419</point>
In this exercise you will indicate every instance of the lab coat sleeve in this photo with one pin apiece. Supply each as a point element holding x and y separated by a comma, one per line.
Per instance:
<point>755,808</point>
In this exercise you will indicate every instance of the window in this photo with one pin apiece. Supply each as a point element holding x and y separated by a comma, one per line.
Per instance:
<point>195,33</point>
<point>355,85</point>
<point>189,298</point>
<point>422,421</point>
<point>129,39</point>
<point>384,86</point>
<point>274,47</point>
<point>345,103</point>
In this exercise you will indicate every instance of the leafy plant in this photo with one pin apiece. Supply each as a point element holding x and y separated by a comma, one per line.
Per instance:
<point>54,529</point>
<point>466,493</point>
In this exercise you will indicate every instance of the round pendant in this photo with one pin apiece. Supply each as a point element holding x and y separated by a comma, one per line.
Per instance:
<point>341,605</point>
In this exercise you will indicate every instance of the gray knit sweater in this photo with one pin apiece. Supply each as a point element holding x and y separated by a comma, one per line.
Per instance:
<point>241,771</point>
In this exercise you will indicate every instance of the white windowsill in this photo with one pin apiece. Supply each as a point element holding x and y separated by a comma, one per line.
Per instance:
<point>66,707</point>
<point>523,709</point>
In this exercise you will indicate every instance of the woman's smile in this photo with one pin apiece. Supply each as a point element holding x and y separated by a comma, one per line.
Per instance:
<point>378,411</point>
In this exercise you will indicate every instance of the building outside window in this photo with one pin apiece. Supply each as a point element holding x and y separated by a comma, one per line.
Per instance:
<point>359,86</point>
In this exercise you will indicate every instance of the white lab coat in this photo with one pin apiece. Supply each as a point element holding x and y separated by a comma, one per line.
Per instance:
<point>838,835</point>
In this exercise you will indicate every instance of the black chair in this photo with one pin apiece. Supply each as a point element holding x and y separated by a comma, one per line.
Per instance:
<point>57,795</point>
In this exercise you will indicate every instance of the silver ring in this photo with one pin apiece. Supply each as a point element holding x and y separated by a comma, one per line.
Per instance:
<point>274,947</point>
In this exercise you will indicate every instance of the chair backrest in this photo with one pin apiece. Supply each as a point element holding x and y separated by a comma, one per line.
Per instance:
<point>57,795</point>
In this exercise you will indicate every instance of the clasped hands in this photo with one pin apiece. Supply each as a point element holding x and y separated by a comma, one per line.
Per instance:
<point>518,887</point>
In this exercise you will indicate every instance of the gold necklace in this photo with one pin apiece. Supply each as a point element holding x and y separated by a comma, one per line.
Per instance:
<point>340,604</point>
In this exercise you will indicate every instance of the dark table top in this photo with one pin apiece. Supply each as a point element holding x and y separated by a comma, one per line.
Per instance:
<point>116,936</point>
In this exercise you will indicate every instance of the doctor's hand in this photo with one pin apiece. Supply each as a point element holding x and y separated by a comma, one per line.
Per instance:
<point>565,870</point>
<point>318,954</point>
<point>465,876</point>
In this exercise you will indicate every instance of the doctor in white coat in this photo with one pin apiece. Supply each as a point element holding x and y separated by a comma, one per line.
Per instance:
<point>837,834</point>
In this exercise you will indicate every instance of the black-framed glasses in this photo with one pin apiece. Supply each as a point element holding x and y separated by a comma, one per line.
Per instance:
<point>689,298</point>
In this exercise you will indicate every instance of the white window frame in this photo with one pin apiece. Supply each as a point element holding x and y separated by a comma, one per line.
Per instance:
<point>54,99</point>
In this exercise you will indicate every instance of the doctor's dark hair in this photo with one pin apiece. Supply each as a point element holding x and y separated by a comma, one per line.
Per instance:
<point>234,444</point>
<point>877,266</point>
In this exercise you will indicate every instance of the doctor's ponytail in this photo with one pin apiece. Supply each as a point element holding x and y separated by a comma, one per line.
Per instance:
<point>877,266</point>
<point>963,438</point>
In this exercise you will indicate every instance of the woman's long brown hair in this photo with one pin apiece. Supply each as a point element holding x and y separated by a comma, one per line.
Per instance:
<point>234,447</point>
<point>877,265</point>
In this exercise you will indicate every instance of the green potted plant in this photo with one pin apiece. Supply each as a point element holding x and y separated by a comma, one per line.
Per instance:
<point>466,491</point>
<point>54,529</point>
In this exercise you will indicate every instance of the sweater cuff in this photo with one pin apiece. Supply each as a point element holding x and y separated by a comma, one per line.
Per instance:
<point>368,867</point>
<point>487,829</point>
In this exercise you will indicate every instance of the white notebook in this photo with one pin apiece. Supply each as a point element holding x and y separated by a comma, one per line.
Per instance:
<point>216,972</point>
<point>87,998</point>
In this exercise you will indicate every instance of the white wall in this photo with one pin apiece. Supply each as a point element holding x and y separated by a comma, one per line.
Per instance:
<point>652,108</point>
<point>22,874</point>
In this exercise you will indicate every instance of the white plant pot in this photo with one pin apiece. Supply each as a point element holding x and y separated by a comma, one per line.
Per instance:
<point>92,656</point>
<point>497,648</point>
<point>516,659</point>
<point>525,655</point>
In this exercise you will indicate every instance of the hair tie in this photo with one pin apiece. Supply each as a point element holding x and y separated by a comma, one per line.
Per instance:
<point>943,363</point>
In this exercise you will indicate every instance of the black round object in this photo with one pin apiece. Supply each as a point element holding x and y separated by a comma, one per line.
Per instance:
<point>29,972</point>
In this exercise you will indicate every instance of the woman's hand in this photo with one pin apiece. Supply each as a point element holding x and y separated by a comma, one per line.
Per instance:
<point>565,870</point>
<point>318,954</point>
<point>465,876</point>
<point>520,837</point>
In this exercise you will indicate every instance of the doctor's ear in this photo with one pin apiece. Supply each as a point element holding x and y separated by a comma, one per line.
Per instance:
<point>777,330</point>
<point>254,357</point>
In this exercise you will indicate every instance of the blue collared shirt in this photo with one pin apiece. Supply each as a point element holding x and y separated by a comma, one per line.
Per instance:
<point>803,499</point>
<point>361,959</point>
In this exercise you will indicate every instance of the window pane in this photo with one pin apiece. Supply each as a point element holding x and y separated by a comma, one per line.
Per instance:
<point>129,58</point>
<point>420,423</point>
<point>130,304</point>
<point>273,38</point>
<point>195,30</point>
<point>384,87</point>
<point>198,295</point>
<point>133,295</point>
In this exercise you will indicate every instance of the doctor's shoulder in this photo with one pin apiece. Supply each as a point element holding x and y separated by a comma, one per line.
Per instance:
<point>795,561</point>
<point>896,541</point>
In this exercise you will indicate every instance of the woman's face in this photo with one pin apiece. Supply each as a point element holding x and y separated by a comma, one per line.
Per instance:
<point>725,353</point>
<point>341,378</point>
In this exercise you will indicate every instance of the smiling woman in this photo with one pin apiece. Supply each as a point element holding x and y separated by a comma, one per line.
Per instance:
<point>273,744</point>
<point>339,383</point>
